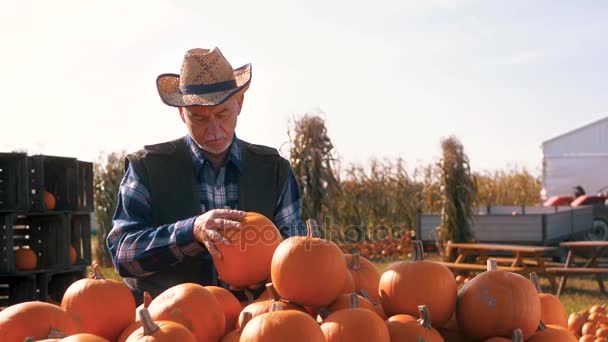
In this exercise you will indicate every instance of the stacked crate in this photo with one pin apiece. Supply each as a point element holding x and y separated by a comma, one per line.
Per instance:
<point>26,222</point>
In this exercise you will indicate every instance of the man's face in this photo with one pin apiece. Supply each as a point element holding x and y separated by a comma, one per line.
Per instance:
<point>212,128</point>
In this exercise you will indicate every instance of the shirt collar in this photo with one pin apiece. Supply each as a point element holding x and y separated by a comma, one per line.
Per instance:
<point>198,156</point>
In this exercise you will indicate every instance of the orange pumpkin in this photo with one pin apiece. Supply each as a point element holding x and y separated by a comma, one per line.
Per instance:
<point>552,333</point>
<point>159,331</point>
<point>495,303</point>
<point>354,324</point>
<point>282,325</point>
<point>552,311</point>
<point>365,275</point>
<point>235,335</point>
<point>264,306</point>
<point>230,304</point>
<point>517,336</point>
<point>25,259</point>
<point>84,337</point>
<point>308,270</point>
<point>34,319</point>
<point>136,324</point>
<point>72,257</point>
<point>408,328</point>
<point>49,200</point>
<point>377,305</point>
<point>344,302</point>
<point>194,307</point>
<point>246,261</point>
<point>103,307</point>
<point>349,284</point>
<point>575,323</point>
<point>450,331</point>
<point>406,284</point>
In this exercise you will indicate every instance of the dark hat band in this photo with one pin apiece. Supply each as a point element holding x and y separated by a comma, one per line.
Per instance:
<point>198,89</point>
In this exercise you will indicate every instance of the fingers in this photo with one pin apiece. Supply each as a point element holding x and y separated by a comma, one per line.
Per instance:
<point>221,223</point>
<point>229,214</point>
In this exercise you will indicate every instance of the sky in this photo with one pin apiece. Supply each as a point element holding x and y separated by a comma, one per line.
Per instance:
<point>392,78</point>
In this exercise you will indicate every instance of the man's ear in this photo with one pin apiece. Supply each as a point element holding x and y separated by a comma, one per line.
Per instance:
<point>181,113</point>
<point>239,100</point>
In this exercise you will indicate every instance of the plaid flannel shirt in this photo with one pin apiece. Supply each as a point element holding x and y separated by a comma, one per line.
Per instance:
<point>138,248</point>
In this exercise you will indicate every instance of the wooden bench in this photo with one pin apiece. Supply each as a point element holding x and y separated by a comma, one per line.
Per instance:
<point>566,271</point>
<point>530,262</point>
<point>477,267</point>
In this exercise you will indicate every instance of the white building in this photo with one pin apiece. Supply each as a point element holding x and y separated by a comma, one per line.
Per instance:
<point>578,157</point>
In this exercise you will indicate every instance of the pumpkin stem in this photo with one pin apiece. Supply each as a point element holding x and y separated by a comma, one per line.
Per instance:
<point>364,294</point>
<point>146,322</point>
<point>417,251</point>
<point>276,306</point>
<point>355,262</point>
<point>54,333</point>
<point>421,339</point>
<point>96,273</point>
<point>492,265</point>
<point>541,326</point>
<point>354,300</point>
<point>536,282</point>
<point>311,228</point>
<point>247,316</point>
<point>147,299</point>
<point>29,339</point>
<point>249,295</point>
<point>425,317</point>
<point>518,336</point>
<point>323,312</point>
<point>272,292</point>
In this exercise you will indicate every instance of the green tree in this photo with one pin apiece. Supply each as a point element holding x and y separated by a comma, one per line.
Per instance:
<point>109,170</point>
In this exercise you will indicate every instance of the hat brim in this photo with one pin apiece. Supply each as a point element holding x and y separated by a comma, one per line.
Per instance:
<point>168,89</point>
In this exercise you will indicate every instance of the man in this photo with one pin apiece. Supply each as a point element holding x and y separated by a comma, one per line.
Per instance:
<point>172,197</point>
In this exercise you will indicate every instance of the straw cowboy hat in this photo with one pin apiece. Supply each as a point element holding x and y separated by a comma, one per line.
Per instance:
<point>206,79</point>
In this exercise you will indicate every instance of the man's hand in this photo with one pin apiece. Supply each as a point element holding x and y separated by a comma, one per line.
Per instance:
<point>208,225</point>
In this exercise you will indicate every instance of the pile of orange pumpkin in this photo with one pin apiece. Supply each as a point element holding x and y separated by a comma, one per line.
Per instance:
<point>591,324</point>
<point>315,292</point>
<point>388,248</point>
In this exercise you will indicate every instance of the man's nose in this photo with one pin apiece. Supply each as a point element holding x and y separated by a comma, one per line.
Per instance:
<point>213,126</point>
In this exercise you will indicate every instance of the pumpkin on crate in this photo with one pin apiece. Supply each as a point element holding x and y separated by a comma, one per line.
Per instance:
<point>246,260</point>
<point>159,331</point>
<point>365,274</point>
<point>282,325</point>
<point>193,306</point>
<point>308,270</point>
<point>72,255</point>
<point>103,307</point>
<point>25,259</point>
<point>406,284</point>
<point>552,311</point>
<point>409,328</point>
<point>495,303</point>
<point>36,320</point>
<point>49,200</point>
<point>355,324</point>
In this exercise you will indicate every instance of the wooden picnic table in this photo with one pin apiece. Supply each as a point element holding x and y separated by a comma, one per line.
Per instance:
<point>524,258</point>
<point>591,251</point>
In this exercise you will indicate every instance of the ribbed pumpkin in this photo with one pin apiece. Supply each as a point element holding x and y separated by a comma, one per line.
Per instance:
<point>235,335</point>
<point>194,307</point>
<point>552,311</point>
<point>365,275</point>
<point>282,325</point>
<point>34,319</point>
<point>517,336</point>
<point>308,270</point>
<point>354,324</point>
<point>229,303</point>
<point>409,328</point>
<point>103,307</point>
<point>495,303</point>
<point>159,331</point>
<point>407,284</point>
<point>552,333</point>
<point>264,306</point>
<point>25,259</point>
<point>246,261</point>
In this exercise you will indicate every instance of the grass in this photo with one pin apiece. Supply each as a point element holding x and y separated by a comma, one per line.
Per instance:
<point>581,292</point>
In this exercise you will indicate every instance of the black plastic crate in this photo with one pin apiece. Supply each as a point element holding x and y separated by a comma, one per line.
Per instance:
<point>16,289</point>
<point>14,182</point>
<point>80,237</point>
<point>57,175</point>
<point>47,235</point>
<point>85,186</point>
<point>52,285</point>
